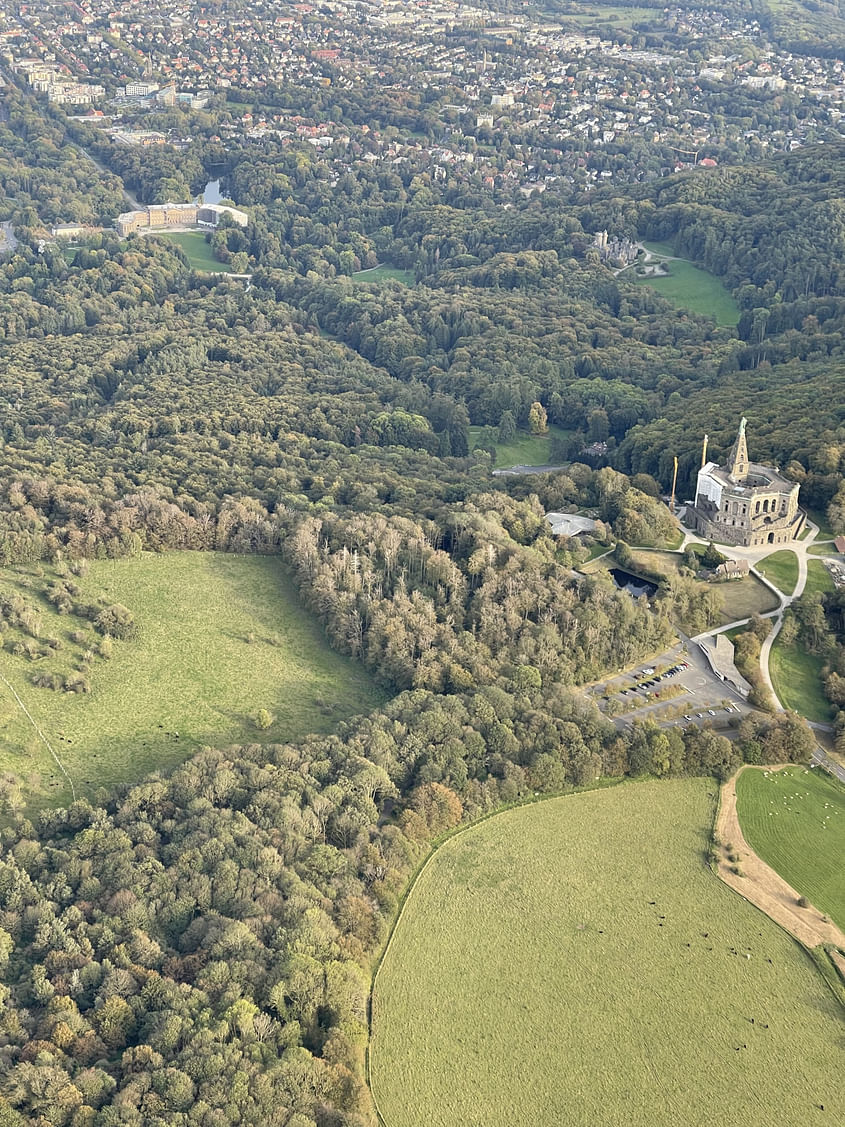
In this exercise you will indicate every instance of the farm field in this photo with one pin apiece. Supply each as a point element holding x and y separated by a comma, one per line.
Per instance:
<point>525,450</point>
<point>385,274</point>
<point>197,250</point>
<point>691,288</point>
<point>219,637</point>
<point>795,820</point>
<point>797,678</point>
<point>780,568</point>
<point>558,963</point>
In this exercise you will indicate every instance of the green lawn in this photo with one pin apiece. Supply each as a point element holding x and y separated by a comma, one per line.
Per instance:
<point>797,678</point>
<point>576,962</point>
<point>220,636</point>
<point>795,820</point>
<point>818,518</point>
<point>666,250</point>
<point>822,550</point>
<point>525,450</point>
<point>689,287</point>
<point>819,578</point>
<point>197,250</point>
<point>780,568</point>
<point>385,274</point>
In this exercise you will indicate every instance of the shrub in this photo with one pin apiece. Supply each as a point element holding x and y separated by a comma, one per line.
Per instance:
<point>116,620</point>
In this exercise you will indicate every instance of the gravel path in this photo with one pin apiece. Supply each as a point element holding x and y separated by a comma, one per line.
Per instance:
<point>761,885</point>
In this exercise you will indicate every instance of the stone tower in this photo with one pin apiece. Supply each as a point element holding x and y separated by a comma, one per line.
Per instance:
<point>738,458</point>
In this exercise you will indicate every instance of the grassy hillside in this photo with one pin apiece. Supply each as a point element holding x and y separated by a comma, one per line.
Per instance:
<point>575,962</point>
<point>219,637</point>
<point>795,820</point>
<point>797,678</point>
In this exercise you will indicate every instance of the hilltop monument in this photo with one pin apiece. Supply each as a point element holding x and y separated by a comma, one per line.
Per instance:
<point>744,503</point>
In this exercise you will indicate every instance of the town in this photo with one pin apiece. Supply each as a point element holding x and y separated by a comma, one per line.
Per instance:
<point>508,103</point>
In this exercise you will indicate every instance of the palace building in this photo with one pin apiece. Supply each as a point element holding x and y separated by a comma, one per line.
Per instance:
<point>744,503</point>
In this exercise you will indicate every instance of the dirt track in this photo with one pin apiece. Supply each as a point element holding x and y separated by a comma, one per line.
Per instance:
<point>761,885</point>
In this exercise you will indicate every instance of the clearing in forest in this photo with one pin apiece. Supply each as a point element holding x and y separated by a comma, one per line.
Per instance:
<point>795,820</point>
<point>690,287</point>
<point>218,638</point>
<point>198,252</point>
<point>576,961</point>
<point>524,449</point>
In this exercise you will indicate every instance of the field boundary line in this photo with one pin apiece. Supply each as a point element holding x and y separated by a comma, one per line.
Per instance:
<point>600,784</point>
<point>47,743</point>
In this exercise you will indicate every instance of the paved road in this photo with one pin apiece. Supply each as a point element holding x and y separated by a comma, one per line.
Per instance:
<point>754,556</point>
<point>821,757</point>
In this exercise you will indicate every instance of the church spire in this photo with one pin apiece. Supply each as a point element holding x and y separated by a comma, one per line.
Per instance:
<point>738,457</point>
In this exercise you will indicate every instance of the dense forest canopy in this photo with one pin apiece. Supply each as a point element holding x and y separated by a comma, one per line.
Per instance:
<point>197,951</point>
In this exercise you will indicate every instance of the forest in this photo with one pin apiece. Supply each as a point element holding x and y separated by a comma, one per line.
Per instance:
<point>197,950</point>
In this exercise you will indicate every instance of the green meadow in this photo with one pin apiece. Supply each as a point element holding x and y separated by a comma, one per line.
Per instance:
<point>219,637</point>
<point>795,820</point>
<point>780,568</point>
<point>575,961</point>
<point>689,287</point>
<point>198,252</point>
<point>797,678</point>
<point>525,449</point>
<point>385,274</point>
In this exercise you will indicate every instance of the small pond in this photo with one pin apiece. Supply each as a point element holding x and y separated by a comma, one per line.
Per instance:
<point>632,584</point>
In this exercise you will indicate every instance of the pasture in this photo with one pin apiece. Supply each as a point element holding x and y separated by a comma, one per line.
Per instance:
<point>575,961</point>
<point>198,252</point>
<point>219,637</point>
<point>795,820</point>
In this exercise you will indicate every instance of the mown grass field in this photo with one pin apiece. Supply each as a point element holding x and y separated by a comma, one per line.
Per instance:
<point>690,287</point>
<point>819,579</point>
<point>385,274</point>
<point>219,637</point>
<point>795,820</point>
<point>797,678</point>
<point>576,962</point>
<point>198,252</point>
<point>780,568</point>
<point>525,450</point>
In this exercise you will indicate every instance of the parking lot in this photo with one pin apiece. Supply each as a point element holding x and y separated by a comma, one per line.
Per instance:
<point>692,694</point>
